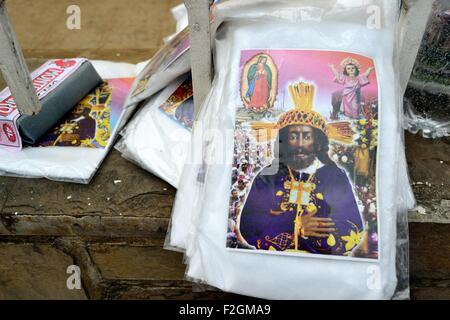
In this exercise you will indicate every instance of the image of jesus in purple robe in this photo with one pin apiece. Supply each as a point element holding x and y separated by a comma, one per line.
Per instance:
<point>331,223</point>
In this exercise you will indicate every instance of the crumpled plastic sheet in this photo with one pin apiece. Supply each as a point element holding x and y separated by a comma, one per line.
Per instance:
<point>427,99</point>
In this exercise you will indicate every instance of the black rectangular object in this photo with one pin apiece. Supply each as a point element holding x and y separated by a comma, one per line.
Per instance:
<point>58,103</point>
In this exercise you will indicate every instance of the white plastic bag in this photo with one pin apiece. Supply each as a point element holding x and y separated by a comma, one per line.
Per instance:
<point>165,154</point>
<point>180,15</point>
<point>169,63</point>
<point>177,238</point>
<point>279,25</point>
<point>78,164</point>
<point>158,137</point>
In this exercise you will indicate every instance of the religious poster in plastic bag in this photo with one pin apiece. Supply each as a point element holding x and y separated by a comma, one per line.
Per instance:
<point>165,57</point>
<point>93,119</point>
<point>305,156</point>
<point>180,105</point>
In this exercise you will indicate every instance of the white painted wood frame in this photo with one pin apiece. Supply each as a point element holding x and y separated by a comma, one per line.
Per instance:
<point>14,68</point>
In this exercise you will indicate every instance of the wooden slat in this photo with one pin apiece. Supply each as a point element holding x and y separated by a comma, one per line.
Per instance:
<point>14,68</point>
<point>201,59</point>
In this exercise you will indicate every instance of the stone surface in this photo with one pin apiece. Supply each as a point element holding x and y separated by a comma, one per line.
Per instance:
<point>135,270</point>
<point>429,162</point>
<point>430,251</point>
<point>138,194</point>
<point>102,208</point>
<point>142,292</point>
<point>429,261</point>
<point>149,263</point>
<point>429,169</point>
<point>144,272</point>
<point>119,30</point>
<point>34,271</point>
<point>431,290</point>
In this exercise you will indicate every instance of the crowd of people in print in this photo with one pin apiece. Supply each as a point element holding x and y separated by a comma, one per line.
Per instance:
<point>249,158</point>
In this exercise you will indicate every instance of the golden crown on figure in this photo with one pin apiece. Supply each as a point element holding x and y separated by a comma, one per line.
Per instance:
<point>302,113</point>
<point>302,95</point>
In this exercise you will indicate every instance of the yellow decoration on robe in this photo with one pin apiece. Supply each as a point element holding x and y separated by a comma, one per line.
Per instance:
<point>280,193</point>
<point>352,240</point>
<point>100,113</point>
<point>319,196</point>
<point>287,185</point>
<point>331,241</point>
<point>87,143</point>
<point>311,208</point>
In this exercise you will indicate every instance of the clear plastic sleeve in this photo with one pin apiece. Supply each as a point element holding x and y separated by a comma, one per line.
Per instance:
<point>169,63</point>
<point>427,99</point>
<point>200,222</point>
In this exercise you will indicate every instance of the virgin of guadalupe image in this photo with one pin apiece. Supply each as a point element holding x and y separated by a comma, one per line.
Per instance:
<point>302,202</point>
<point>348,100</point>
<point>258,84</point>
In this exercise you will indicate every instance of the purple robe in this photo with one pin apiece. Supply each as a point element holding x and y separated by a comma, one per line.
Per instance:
<point>267,223</point>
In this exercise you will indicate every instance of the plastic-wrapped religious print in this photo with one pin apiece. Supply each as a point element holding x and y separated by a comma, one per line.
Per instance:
<point>92,121</point>
<point>180,105</point>
<point>304,170</point>
<point>165,57</point>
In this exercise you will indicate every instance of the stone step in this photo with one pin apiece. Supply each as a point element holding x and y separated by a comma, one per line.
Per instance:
<point>429,262</point>
<point>113,205</point>
<point>35,268</point>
